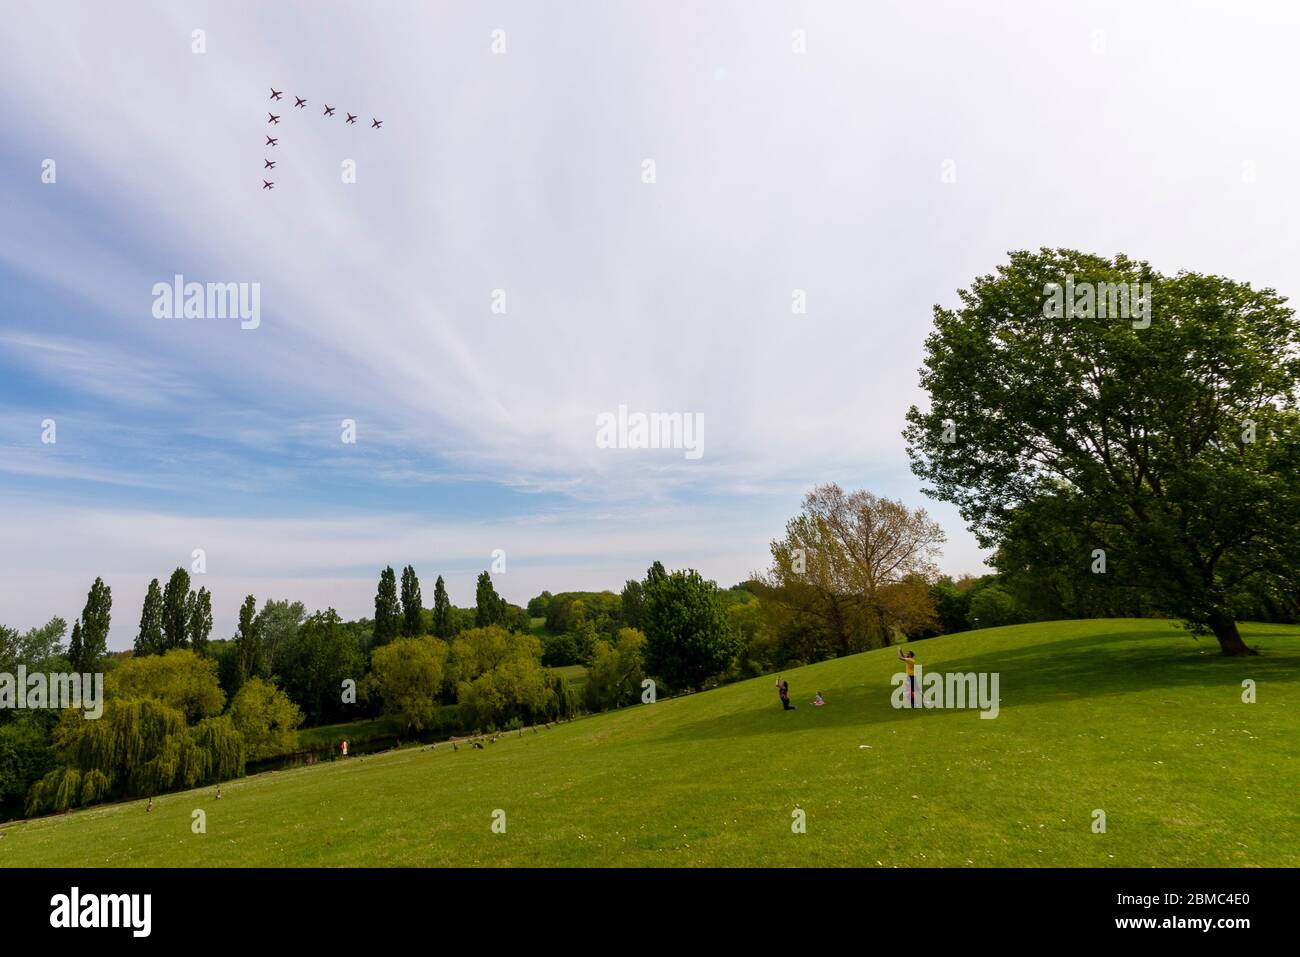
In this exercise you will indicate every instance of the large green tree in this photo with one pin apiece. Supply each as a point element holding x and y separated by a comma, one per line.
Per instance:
<point>1159,411</point>
<point>688,636</point>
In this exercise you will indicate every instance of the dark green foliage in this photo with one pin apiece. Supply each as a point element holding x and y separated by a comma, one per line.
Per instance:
<point>442,623</point>
<point>1172,447</point>
<point>952,607</point>
<point>199,620</point>
<point>688,637</point>
<point>76,648</point>
<point>248,653</point>
<point>537,606</point>
<point>26,755</point>
<point>489,607</point>
<point>412,626</point>
<point>149,638</point>
<point>559,650</point>
<point>91,638</point>
<point>176,611</point>
<point>324,652</point>
<point>633,603</point>
<point>388,611</point>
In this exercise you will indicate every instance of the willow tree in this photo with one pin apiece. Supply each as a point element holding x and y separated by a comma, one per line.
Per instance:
<point>139,746</point>
<point>1159,412</point>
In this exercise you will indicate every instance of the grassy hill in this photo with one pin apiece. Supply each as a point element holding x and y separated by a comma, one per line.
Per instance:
<point>1130,716</point>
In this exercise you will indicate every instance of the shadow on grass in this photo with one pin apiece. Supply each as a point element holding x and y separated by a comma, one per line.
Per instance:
<point>1087,666</point>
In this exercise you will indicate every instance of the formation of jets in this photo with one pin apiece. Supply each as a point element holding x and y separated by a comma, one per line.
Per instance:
<point>300,103</point>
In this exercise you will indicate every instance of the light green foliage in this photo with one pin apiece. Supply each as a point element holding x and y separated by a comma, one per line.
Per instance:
<point>616,671</point>
<point>408,676</point>
<point>266,718</point>
<point>180,678</point>
<point>478,650</point>
<point>519,688</point>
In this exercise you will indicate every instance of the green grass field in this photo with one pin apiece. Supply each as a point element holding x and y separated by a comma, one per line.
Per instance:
<point>1129,716</point>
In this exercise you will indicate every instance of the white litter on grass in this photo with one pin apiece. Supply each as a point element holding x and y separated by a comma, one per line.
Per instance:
<point>864,747</point>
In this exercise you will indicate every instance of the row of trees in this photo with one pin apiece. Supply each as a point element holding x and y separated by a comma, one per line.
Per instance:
<point>174,617</point>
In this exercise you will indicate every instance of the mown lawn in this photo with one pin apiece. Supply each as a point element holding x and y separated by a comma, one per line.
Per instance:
<point>1131,717</point>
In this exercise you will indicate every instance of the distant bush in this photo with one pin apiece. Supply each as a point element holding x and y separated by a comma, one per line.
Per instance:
<point>559,650</point>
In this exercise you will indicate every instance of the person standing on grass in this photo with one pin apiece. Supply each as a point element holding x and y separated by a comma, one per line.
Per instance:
<point>344,747</point>
<point>909,659</point>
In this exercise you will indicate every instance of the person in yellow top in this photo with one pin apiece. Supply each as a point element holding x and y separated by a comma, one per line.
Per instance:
<point>909,660</point>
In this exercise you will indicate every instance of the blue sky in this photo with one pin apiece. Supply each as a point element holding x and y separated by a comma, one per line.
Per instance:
<point>1159,129</point>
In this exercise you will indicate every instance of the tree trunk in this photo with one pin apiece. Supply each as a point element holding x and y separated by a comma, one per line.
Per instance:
<point>1225,629</point>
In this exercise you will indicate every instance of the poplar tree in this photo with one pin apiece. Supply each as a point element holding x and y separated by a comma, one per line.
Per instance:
<point>149,639</point>
<point>388,614</point>
<point>411,603</point>
<point>441,610</point>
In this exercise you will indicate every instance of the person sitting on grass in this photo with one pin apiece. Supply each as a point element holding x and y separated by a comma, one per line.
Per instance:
<point>818,701</point>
